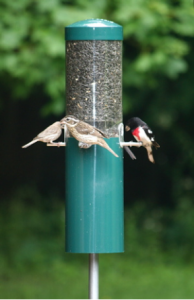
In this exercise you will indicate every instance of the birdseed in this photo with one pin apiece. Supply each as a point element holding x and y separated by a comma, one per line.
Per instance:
<point>94,83</point>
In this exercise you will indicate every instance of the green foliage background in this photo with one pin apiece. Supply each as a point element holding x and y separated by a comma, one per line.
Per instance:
<point>32,43</point>
<point>158,87</point>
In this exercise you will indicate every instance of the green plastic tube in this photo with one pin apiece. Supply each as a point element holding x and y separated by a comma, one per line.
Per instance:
<point>94,177</point>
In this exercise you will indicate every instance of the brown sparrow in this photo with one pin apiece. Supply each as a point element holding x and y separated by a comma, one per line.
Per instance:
<point>49,135</point>
<point>86,134</point>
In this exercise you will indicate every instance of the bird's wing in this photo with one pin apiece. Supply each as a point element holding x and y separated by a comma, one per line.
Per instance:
<point>148,131</point>
<point>102,133</point>
<point>155,144</point>
<point>52,129</point>
<point>150,134</point>
<point>85,128</point>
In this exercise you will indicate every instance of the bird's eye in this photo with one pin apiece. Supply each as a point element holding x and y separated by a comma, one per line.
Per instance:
<point>67,119</point>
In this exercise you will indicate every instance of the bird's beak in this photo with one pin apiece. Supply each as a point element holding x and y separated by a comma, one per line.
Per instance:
<point>127,128</point>
<point>62,123</point>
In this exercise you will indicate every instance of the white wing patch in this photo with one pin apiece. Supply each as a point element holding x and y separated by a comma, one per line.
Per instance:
<point>149,131</point>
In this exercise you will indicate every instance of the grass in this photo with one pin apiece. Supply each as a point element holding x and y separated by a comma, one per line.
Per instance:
<point>120,277</point>
<point>33,263</point>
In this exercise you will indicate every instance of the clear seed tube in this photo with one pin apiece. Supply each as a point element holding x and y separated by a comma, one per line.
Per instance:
<point>94,82</point>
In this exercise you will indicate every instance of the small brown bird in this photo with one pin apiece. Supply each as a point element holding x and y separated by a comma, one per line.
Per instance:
<point>85,133</point>
<point>49,135</point>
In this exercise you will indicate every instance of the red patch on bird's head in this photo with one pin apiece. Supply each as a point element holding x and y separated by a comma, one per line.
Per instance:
<point>136,132</point>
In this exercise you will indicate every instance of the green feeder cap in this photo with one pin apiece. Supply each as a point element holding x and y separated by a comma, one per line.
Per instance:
<point>94,29</point>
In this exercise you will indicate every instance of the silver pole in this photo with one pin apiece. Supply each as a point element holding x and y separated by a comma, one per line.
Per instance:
<point>93,276</point>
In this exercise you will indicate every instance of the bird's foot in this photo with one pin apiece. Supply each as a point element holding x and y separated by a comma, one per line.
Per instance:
<point>84,145</point>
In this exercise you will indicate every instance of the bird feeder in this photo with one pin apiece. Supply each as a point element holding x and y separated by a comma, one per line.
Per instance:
<point>94,177</point>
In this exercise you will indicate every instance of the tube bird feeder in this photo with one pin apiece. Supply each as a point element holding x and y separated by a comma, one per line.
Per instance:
<point>94,177</point>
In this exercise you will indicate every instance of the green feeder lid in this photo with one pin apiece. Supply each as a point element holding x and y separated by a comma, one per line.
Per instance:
<point>94,29</point>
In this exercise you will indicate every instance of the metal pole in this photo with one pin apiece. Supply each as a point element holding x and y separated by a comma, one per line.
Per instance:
<point>93,276</point>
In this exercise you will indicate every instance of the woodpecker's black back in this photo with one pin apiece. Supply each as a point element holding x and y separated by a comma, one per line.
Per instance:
<point>150,134</point>
<point>135,122</point>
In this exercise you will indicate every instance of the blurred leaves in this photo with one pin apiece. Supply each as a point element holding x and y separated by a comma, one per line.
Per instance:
<point>32,230</point>
<point>154,31</point>
<point>32,47</point>
<point>157,86</point>
<point>26,233</point>
<point>32,44</point>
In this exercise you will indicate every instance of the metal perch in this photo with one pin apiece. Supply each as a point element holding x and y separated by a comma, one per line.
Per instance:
<point>122,143</point>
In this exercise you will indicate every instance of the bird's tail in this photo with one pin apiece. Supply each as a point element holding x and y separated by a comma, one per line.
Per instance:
<point>29,144</point>
<point>155,144</point>
<point>129,152</point>
<point>102,143</point>
<point>150,154</point>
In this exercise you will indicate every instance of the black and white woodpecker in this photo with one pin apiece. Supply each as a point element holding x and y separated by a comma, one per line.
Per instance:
<point>142,133</point>
<point>85,133</point>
